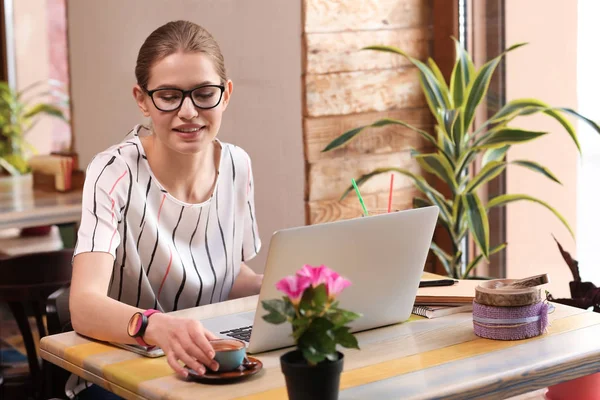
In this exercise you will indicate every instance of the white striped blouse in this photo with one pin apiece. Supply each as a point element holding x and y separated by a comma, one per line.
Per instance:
<point>168,254</point>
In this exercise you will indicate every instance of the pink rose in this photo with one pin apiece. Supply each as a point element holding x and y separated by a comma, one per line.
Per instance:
<point>316,275</point>
<point>293,287</point>
<point>336,284</point>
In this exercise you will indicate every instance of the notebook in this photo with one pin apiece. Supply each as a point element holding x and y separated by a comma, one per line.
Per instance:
<point>462,292</point>
<point>440,311</point>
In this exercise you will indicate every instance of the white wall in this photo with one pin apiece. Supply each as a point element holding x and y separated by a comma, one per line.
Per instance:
<point>261,42</point>
<point>588,183</point>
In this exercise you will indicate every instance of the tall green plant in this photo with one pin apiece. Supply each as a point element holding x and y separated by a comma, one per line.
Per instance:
<point>19,112</point>
<point>457,147</point>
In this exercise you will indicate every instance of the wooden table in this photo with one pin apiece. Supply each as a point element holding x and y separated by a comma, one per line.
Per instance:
<point>419,359</point>
<point>37,208</point>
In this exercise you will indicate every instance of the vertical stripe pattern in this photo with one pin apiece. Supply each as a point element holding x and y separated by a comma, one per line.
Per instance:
<point>168,254</point>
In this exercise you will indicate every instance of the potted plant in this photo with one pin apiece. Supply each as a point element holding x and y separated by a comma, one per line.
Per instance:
<point>584,295</point>
<point>19,112</point>
<point>457,148</point>
<point>312,371</point>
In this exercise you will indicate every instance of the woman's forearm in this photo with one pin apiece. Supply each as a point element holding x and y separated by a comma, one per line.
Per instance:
<point>247,283</point>
<point>100,317</point>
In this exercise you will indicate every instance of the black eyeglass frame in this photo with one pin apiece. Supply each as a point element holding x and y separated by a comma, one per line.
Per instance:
<point>185,93</point>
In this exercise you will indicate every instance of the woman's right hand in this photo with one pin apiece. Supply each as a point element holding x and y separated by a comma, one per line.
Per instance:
<point>184,340</point>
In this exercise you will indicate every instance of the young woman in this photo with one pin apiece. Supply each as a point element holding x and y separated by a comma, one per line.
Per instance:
<point>168,214</point>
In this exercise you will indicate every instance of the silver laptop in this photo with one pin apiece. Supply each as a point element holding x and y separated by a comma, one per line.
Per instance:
<point>383,256</point>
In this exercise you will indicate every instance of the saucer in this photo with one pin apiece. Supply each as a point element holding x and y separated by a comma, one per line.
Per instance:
<point>237,374</point>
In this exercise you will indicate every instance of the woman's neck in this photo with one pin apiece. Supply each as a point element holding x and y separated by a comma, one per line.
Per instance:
<point>187,177</point>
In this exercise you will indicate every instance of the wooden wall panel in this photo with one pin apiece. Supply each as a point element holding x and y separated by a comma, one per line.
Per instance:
<point>341,51</point>
<point>362,91</point>
<point>345,88</point>
<point>328,179</point>
<point>333,210</point>
<point>318,132</point>
<point>347,15</point>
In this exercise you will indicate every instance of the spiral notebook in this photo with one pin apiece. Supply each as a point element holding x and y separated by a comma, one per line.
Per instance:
<point>441,310</point>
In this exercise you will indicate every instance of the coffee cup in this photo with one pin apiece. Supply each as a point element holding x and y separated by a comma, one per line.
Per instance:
<point>229,353</point>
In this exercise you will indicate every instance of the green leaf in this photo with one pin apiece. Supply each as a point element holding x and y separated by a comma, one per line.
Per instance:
<point>461,74</point>
<point>275,318</point>
<point>299,326</point>
<point>319,336</point>
<point>477,89</point>
<point>345,338</point>
<point>508,198</point>
<point>449,117</point>
<point>517,107</point>
<point>434,94</point>
<point>444,257</point>
<point>439,166</point>
<point>537,168</point>
<point>529,106</point>
<point>463,164</point>
<point>9,167</point>
<point>343,317</point>
<point>419,202</point>
<point>349,135</point>
<point>479,257</point>
<point>274,305</point>
<point>47,109</point>
<point>494,154</point>
<point>478,222</point>
<point>487,173</point>
<point>311,355</point>
<point>344,138</point>
<point>320,295</point>
<point>585,119</point>
<point>507,136</point>
<point>440,79</point>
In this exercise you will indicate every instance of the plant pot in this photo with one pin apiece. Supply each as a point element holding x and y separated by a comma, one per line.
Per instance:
<point>305,382</point>
<point>584,388</point>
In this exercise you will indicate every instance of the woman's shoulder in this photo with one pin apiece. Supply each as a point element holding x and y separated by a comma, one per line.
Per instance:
<point>124,153</point>
<point>238,155</point>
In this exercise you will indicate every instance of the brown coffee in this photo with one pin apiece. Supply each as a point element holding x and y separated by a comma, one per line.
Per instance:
<point>226,345</point>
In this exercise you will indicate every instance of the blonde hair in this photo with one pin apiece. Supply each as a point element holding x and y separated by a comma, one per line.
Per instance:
<point>177,36</point>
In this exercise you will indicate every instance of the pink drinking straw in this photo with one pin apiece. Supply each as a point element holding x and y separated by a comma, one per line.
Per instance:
<point>391,189</point>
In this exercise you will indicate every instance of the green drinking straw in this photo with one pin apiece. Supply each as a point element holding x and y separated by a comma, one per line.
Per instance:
<point>362,202</point>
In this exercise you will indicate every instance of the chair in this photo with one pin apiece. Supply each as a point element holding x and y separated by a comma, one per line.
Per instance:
<point>58,320</point>
<point>25,284</point>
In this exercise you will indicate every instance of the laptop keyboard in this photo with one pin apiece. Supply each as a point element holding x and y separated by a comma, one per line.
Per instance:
<point>239,333</point>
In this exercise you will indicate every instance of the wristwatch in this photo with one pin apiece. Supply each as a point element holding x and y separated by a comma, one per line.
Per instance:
<point>138,324</point>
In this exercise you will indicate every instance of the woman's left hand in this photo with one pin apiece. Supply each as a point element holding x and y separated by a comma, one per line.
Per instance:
<point>247,283</point>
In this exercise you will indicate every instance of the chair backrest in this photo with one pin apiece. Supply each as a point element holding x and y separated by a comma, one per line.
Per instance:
<point>33,277</point>
<point>26,281</point>
<point>58,316</point>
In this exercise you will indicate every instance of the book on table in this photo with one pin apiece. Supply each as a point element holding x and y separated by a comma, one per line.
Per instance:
<point>462,292</point>
<point>435,311</point>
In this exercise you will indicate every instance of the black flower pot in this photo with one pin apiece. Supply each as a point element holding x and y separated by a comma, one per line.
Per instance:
<point>305,382</point>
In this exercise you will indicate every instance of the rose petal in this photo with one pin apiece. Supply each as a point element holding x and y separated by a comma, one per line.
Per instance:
<point>293,287</point>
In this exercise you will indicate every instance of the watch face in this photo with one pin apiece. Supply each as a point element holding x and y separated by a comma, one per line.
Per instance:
<point>134,324</point>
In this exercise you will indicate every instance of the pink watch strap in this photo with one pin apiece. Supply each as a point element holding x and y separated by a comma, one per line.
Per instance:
<point>146,313</point>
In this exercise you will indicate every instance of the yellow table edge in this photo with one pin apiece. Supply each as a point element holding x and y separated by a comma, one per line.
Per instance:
<point>443,355</point>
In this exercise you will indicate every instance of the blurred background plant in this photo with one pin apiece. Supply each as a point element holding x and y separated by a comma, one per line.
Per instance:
<point>19,112</point>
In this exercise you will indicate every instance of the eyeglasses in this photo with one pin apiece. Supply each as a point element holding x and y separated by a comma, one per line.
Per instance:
<point>170,99</point>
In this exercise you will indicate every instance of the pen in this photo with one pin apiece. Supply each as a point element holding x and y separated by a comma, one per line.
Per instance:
<point>437,282</point>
